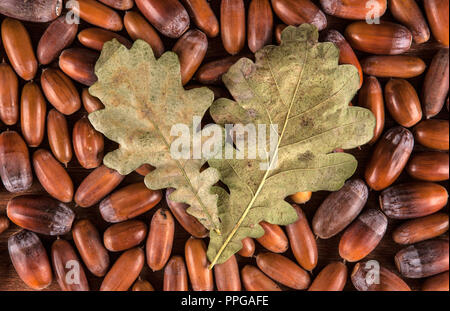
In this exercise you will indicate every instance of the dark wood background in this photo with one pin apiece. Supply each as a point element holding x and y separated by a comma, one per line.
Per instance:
<point>328,249</point>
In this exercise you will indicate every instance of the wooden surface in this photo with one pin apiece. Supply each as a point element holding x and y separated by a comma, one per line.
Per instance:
<point>328,249</point>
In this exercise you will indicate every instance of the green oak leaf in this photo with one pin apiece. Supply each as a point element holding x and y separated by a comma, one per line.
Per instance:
<point>299,87</point>
<point>144,98</point>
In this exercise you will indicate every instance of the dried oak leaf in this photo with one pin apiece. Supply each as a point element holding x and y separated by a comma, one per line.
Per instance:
<point>299,87</point>
<point>143,98</point>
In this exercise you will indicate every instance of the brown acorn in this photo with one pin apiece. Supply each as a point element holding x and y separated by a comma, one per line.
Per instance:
<point>393,66</point>
<point>412,200</point>
<point>364,278</point>
<point>389,158</point>
<point>18,47</point>
<point>160,239</point>
<point>9,95</point>
<point>297,12</point>
<point>402,102</point>
<point>232,25</point>
<point>248,247</point>
<point>58,136</point>
<point>191,49</point>
<point>227,276</point>
<point>58,36</point>
<point>408,13</point>
<point>97,14</point>
<point>124,235</point>
<point>274,239</point>
<point>436,283</point>
<point>138,28</point>
<point>38,11</point>
<point>437,15</point>
<point>254,280</point>
<point>119,4</point>
<point>33,109</point>
<point>432,134</point>
<point>371,97</point>
<point>436,83</point>
<point>203,16</point>
<point>331,278</point>
<point>354,9</point>
<point>175,275</point>
<point>40,214</point>
<point>169,16</point>
<point>429,166</point>
<point>340,208</point>
<point>383,38</point>
<point>423,259</point>
<point>88,144</point>
<point>142,286</point>
<point>94,38</point>
<point>278,30</point>
<point>60,91</point>
<point>260,24</point>
<point>52,176</point>
<point>211,73</point>
<point>15,166</point>
<point>421,229</point>
<point>4,224</point>
<point>197,263</point>
<point>144,169</point>
<point>79,64</point>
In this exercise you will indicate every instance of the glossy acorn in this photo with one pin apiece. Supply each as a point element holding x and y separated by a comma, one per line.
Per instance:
<point>124,235</point>
<point>88,144</point>
<point>232,25</point>
<point>18,47</point>
<point>260,24</point>
<point>30,259</point>
<point>58,36</point>
<point>436,84</point>
<point>9,95</point>
<point>188,222</point>
<point>125,271</point>
<point>255,280</point>
<point>437,14</point>
<point>340,208</point>
<point>69,272</point>
<point>413,199</point>
<point>97,14</point>
<point>79,63</point>
<point>432,133</point>
<point>90,247</point>
<point>60,91</point>
<point>211,72</point>
<point>297,12</point>
<point>389,158</point>
<point>393,66</point>
<point>90,103</point>
<point>169,17</point>
<point>283,270</point>
<point>274,239</point>
<point>331,278</point>
<point>423,259</point>
<point>409,14</point>
<point>421,229</point>
<point>175,275</point>
<point>142,286</point>
<point>144,169</point>
<point>15,166</point>
<point>197,263</point>
<point>98,184</point>
<point>402,102</point>
<point>227,276</point>
<point>429,166</point>
<point>33,109</point>
<point>354,9</point>
<point>58,136</point>
<point>346,53</point>
<point>301,197</point>
<point>160,239</point>
<point>363,235</point>
<point>40,214</point>
<point>94,38</point>
<point>437,283</point>
<point>128,202</point>
<point>38,11</point>
<point>248,247</point>
<point>119,4</point>
<point>203,16</point>
<point>4,224</point>
<point>363,279</point>
<point>371,97</point>
<point>384,38</point>
<point>302,241</point>
<point>138,28</point>
<point>52,176</point>
<point>191,49</point>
